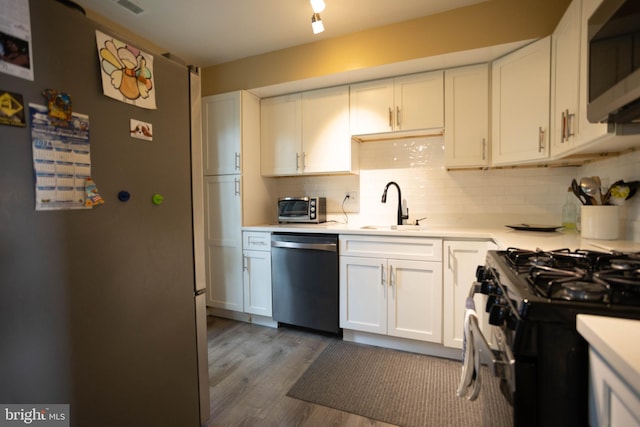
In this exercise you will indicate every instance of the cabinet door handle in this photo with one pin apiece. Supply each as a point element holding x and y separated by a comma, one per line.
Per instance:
<point>236,184</point>
<point>237,161</point>
<point>244,263</point>
<point>392,279</point>
<point>540,139</point>
<point>256,241</point>
<point>390,118</point>
<point>297,161</point>
<point>304,161</point>
<point>451,265</point>
<point>382,274</point>
<point>564,127</point>
<point>484,149</point>
<point>570,122</point>
<point>398,117</point>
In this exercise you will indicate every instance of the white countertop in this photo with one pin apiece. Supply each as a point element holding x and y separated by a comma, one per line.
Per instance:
<point>504,237</point>
<point>618,342</point>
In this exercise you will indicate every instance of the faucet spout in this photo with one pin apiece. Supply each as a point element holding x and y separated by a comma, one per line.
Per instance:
<point>400,216</point>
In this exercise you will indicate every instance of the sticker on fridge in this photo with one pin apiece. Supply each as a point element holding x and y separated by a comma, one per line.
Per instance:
<point>127,72</point>
<point>16,57</point>
<point>141,130</point>
<point>61,160</point>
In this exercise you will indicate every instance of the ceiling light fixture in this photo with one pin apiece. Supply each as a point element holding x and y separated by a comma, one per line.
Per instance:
<point>316,23</point>
<point>317,5</point>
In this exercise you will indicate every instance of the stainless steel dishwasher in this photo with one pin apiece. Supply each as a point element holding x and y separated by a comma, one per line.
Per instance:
<point>304,274</point>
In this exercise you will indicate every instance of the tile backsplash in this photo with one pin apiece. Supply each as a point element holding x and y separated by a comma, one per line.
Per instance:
<point>468,197</point>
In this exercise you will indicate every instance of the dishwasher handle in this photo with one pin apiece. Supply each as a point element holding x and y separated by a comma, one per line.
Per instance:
<point>328,247</point>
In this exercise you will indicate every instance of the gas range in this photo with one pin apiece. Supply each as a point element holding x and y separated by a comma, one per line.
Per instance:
<point>605,283</point>
<point>533,297</point>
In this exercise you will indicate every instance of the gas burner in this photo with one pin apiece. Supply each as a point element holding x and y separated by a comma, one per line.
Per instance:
<point>550,281</point>
<point>618,276</point>
<point>580,291</point>
<point>625,264</point>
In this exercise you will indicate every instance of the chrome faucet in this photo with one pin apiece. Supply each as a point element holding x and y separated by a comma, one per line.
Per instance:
<point>401,216</point>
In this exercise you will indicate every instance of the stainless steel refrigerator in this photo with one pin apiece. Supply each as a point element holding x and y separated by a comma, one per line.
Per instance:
<point>103,309</point>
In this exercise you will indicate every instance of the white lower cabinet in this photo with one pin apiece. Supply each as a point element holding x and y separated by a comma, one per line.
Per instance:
<point>461,259</point>
<point>391,286</point>
<point>612,401</point>
<point>257,273</point>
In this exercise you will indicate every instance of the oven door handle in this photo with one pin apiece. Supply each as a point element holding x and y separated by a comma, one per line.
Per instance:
<point>501,361</point>
<point>477,349</point>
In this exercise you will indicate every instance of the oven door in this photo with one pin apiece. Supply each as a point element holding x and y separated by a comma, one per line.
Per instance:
<point>499,361</point>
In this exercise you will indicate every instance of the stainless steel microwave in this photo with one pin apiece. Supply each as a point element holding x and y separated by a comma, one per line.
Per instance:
<point>614,63</point>
<point>312,210</point>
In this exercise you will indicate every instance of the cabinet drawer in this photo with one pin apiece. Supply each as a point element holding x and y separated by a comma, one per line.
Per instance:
<point>257,241</point>
<point>410,248</point>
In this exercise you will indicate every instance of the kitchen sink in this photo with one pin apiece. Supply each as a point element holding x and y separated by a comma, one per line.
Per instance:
<point>394,227</point>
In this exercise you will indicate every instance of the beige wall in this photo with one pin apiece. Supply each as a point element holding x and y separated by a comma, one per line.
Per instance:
<point>486,24</point>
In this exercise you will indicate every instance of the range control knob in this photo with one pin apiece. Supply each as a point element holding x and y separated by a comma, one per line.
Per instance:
<point>488,287</point>
<point>498,314</point>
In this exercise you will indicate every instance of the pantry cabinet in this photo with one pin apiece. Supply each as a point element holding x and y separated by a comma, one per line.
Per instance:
<point>407,103</point>
<point>461,258</point>
<point>307,133</point>
<point>256,269</point>
<point>223,242</point>
<point>520,104</point>
<point>221,123</point>
<point>235,194</point>
<point>391,286</point>
<point>466,136</point>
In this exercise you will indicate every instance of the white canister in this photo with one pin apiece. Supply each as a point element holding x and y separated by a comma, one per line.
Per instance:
<point>600,222</point>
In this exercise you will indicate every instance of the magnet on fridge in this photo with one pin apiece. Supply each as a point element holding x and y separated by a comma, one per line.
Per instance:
<point>92,197</point>
<point>124,196</point>
<point>157,199</point>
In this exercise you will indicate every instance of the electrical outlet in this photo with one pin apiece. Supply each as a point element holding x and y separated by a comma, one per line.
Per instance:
<point>351,196</point>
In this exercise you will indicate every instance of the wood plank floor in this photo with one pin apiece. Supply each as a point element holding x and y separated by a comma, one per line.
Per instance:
<point>251,369</point>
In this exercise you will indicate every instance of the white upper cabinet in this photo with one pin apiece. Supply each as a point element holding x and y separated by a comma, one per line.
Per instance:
<point>281,134</point>
<point>307,133</point>
<point>221,128</point>
<point>466,112</point>
<point>565,84</point>
<point>372,106</point>
<point>326,140</point>
<point>520,104</point>
<point>419,101</point>
<point>407,103</point>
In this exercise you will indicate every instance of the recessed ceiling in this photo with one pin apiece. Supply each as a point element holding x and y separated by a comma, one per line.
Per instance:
<point>209,32</point>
